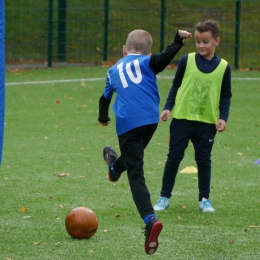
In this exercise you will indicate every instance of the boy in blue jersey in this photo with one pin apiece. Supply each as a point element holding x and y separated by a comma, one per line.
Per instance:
<point>136,109</point>
<point>200,101</point>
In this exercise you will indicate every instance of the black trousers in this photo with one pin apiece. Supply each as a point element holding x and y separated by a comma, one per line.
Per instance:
<point>132,145</point>
<point>202,136</point>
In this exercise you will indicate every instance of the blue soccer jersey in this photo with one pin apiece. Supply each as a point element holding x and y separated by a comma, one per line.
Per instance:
<point>137,99</point>
<point>133,79</point>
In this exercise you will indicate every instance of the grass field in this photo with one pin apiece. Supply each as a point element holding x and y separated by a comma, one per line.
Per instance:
<point>51,128</point>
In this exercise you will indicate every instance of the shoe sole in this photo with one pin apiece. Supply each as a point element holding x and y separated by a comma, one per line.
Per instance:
<point>109,177</point>
<point>152,243</point>
<point>160,209</point>
<point>206,211</point>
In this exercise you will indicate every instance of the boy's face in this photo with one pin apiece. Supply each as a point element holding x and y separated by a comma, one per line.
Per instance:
<point>206,44</point>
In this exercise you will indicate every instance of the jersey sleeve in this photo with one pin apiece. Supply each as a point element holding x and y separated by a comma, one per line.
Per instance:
<point>109,90</point>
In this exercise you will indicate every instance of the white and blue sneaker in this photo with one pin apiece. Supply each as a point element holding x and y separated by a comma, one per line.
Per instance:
<point>205,205</point>
<point>162,203</point>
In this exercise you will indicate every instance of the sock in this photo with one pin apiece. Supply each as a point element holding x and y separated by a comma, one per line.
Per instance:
<point>147,218</point>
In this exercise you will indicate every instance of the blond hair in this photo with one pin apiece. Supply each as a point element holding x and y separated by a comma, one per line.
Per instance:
<point>139,41</point>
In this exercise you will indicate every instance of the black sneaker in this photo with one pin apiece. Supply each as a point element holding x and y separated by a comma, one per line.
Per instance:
<point>110,156</point>
<point>152,231</point>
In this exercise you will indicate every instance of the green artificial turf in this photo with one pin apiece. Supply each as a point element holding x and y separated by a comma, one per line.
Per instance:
<point>52,129</point>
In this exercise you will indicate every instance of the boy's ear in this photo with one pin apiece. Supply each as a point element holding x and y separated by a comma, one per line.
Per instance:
<point>217,41</point>
<point>124,50</point>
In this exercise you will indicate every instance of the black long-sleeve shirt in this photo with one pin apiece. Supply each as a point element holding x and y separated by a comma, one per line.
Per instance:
<point>159,61</point>
<point>205,66</point>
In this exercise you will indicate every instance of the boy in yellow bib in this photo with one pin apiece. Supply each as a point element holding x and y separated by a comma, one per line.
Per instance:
<point>199,101</point>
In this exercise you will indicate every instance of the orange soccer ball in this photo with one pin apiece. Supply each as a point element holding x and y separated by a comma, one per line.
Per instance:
<point>81,222</point>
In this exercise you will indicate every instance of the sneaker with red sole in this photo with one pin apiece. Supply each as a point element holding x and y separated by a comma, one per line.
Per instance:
<point>152,232</point>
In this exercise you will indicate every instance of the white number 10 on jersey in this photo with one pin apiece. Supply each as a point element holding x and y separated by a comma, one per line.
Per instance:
<point>129,72</point>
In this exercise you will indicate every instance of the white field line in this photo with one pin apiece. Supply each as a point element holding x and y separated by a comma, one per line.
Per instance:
<point>52,81</point>
<point>95,79</point>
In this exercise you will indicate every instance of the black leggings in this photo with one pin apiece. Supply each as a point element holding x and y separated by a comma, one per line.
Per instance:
<point>132,145</point>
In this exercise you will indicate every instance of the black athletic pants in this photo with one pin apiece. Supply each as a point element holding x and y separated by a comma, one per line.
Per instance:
<point>132,145</point>
<point>202,136</point>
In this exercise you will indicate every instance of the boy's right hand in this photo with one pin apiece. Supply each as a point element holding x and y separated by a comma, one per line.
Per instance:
<point>165,115</point>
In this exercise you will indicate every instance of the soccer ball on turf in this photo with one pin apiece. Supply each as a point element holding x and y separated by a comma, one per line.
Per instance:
<point>81,222</point>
